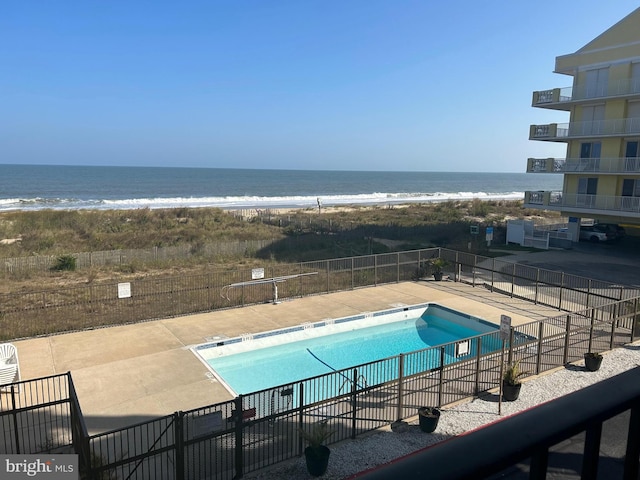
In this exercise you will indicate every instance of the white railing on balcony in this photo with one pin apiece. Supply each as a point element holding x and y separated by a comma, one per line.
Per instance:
<point>627,86</point>
<point>583,201</point>
<point>592,128</point>
<point>583,165</point>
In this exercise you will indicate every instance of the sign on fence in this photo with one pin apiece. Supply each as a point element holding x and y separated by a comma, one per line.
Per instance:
<point>124,290</point>
<point>462,348</point>
<point>257,273</point>
<point>505,327</point>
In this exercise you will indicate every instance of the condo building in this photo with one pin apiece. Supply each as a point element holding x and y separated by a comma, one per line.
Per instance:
<point>601,170</point>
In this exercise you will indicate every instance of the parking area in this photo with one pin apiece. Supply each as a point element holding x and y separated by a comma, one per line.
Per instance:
<point>617,262</point>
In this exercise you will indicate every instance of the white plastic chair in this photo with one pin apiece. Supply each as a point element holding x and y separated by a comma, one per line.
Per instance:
<point>9,365</point>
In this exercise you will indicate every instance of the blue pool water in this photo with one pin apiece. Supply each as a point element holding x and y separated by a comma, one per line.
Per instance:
<point>279,359</point>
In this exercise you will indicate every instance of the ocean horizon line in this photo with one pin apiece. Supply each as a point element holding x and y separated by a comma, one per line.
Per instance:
<point>193,167</point>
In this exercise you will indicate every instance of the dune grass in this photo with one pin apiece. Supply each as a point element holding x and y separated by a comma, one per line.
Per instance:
<point>300,235</point>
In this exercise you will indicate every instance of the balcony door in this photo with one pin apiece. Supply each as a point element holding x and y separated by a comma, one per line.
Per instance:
<point>633,117</point>
<point>589,157</point>
<point>592,120</point>
<point>597,83</point>
<point>631,160</point>
<point>587,188</point>
<point>635,78</point>
<point>630,194</point>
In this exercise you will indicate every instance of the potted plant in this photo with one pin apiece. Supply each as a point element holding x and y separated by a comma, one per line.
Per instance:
<point>511,382</point>
<point>592,361</point>
<point>316,453</point>
<point>437,266</point>
<point>428,418</point>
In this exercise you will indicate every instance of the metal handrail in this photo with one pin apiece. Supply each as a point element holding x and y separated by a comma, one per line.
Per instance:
<point>467,457</point>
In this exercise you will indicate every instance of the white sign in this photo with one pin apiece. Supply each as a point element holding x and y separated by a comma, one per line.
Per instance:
<point>462,348</point>
<point>205,424</point>
<point>124,290</point>
<point>489,234</point>
<point>257,273</point>
<point>505,327</point>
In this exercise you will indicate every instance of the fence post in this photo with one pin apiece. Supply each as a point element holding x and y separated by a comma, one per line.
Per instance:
<point>537,285</point>
<point>478,357</point>
<point>441,380</point>
<point>634,320</point>
<point>565,354</point>
<point>239,457</point>
<point>593,320</point>
<point>354,404</point>
<point>513,279</point>
<point>493,271</point>
<point>510,355</point>
<point>400,386</point>
<point>616,310</point>
<point>14,408</point>
<point>300,416</point>
<point>561,288</point>
<point>352,274</point>
<point>375,270</point>
<point>328,283</point>
<point>539,359</point>
<point>588,293</point>
<point>398,267</point>
<point>179,444</point>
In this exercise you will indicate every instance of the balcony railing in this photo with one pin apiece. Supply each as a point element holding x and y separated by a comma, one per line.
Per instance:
<point>584,165</point>
<point>593,128</point>
<point>583,202</point>
<point>565,95</point>
<point>532,435</point>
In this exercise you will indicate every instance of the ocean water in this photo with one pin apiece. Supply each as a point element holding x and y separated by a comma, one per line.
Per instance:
<point>36,187</point>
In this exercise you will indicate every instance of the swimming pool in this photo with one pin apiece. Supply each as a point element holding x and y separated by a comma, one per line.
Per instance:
<point>250,363</point>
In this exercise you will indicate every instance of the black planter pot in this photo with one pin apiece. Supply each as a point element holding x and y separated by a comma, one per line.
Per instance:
<point>437,276</point>
<point>317,460</point>
<point>592,362</point>
<point>428,418</point>
<point>510,393</point>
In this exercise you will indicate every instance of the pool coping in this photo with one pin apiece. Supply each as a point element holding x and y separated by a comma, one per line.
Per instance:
<point>307,327</point>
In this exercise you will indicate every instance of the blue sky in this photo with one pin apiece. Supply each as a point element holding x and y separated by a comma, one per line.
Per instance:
<point>323,85</point>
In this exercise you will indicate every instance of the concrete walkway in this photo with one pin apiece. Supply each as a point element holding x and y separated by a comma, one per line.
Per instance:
<point>127,374</point>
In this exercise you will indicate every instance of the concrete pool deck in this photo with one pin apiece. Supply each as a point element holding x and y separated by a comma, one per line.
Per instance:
<point>131,373</point>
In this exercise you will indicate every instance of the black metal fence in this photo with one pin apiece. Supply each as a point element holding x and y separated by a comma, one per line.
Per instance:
<point>41,415</point>
<point>253,431</point>
<point>260,429</point>
<point>93,305</point>
<point>256,430</point>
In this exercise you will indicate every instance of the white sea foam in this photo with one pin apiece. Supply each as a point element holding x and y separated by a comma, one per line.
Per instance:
<point>249,201</point>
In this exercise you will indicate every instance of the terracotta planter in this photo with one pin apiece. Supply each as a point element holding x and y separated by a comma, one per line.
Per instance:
<point>428,418</point>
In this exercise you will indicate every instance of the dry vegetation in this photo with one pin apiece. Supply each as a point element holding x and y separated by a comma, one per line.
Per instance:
<point>302,235</point>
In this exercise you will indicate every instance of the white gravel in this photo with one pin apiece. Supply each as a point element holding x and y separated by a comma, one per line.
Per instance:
<point>353,456</point>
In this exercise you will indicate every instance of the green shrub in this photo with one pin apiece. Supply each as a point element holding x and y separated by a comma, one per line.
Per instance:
<point>65,263</point>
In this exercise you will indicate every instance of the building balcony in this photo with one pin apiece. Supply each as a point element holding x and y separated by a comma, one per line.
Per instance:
<point>565,98</point>
<point>563,132</point>
<point>613,166</point>
<point>577,203</point>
